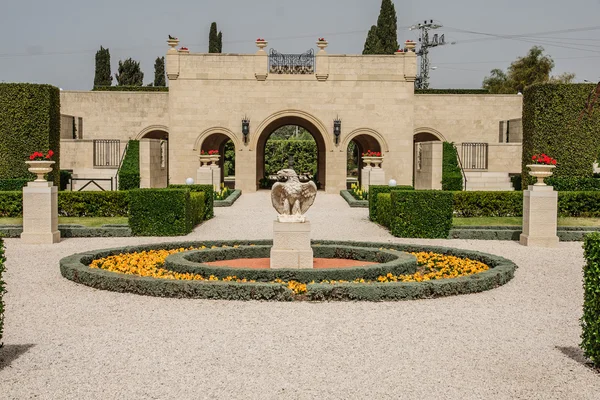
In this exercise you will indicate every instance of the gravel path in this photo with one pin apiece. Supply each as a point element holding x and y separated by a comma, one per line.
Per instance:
<point>66,341</point>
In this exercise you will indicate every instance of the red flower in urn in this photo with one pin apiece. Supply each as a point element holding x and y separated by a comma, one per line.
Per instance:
<point>543,159</point>
<point>209,152</point>
<point>39,156</point>
<point>370,153</point>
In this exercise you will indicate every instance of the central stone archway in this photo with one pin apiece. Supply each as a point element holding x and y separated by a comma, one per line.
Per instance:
<point>303,120</point>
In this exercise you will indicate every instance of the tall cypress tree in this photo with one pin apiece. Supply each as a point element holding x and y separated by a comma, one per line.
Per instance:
<point>220,42</point>
<point>387,27</point>
<point>383,38</point>
<point>213,39</point>
<point>103,76</point>
<point>130,73</point>
<point>159,72</point>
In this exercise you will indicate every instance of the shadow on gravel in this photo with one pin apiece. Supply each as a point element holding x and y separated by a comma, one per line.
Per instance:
<point>575,353</point>
<point>11,352</point>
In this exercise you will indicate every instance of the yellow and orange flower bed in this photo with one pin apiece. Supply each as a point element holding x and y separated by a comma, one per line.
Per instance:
<point>149,264</point>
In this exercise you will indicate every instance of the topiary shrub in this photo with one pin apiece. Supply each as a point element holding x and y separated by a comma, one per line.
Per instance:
<point>162,212</point>
<point>421,214</point>
<point>2,289</point>
<point>209,197</point>
<point>451,173</point>
<point>374,191</point>
<point>488,204</point>
<point>553,124</point>
<point>129,174</point>
<point>29,121</point>
<point>590,321</point>
<point>573,183</point>
<point>384,209</point>
<point>12,184</point>
<point>93,204</point>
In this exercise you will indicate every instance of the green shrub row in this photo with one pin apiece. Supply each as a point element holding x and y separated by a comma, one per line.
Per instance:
<point>209,197</point>
<point>553,124</point>
<point>9,185</point>
<point>73,204</point>
<point>510,204</point>
<point>384,209</point>
<point>590,321</point>
<point>29,122</point>
<point>2,289</point>
<point>129,174</point>
<point>451,173</point>
<point>131,88</point>
<point>452,91</point>
<point>374,191</point>
<point>164,212</point>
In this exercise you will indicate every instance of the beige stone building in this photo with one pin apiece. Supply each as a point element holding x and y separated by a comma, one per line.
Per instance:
<point>214,98</point>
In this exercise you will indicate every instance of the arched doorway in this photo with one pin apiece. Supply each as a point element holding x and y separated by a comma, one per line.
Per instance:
<point>358,145</point>
<point>304,126</point>
<point>427,165</point>
<point>154,157</point>
<point>226,147</point>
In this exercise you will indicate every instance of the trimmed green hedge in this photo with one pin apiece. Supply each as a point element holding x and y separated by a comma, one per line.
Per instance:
<point>551,125</point>
<point>209,197</point>
<point>11,204</point>
<point>131,88</point>
<point>129,174</point>
<point>29,121</point>
<point>573,183</point>
<point>385,211</point>
<point>164,212</point>
<point>2,289</point>
<point>488,204</point>
<point>8,185</point>
<point>421,214</point>
<point>277,154</point>
<point>452,91</point>
<point>451,173</point>
<point>374,191</point>
<point>590,321</point>
<point>579,204</point>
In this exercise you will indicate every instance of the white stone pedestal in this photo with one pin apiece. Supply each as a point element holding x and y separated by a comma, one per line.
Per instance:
<point>209,175</point>
<point>291,245</point>
<point>377,177</point>
<point>365,177</point>
<point>40,213</point>
<point>540,209</point>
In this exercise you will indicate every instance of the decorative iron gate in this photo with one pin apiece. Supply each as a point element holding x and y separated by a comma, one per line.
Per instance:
<point>475,155</point>
<point>293,64</point>
<point>107,153</point>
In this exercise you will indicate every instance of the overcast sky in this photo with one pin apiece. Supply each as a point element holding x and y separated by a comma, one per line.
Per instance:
<point>55,41</point>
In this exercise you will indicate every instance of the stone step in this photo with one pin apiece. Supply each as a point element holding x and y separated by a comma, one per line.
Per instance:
<point>485,174</point>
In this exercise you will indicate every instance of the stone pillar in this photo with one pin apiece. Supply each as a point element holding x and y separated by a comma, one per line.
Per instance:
<point>216,176</point>
<point>428,165</point>
<point>204,175</point>
<point>540,210</point>
<point>365,177</point>
<point>291,246</point>
<point>377,177</point>
<point>40,213</point>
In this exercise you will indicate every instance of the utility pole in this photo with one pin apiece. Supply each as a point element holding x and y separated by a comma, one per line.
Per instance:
<point>422,81</point>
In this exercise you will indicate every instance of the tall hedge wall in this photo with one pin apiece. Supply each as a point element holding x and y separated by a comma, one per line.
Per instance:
<point>551,125</point>
<point>209,197</point>
<point>590,321</point>
<point>374,191</point>
<point>421,213</point>
<point>29,121</point>
<point>277,154</point>
<point>129,174</point>
<point>2,290</point>
<point>451,173</point>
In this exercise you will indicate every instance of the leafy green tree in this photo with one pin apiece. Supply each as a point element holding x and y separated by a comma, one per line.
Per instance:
<point>291,132</point>
<point>215,38</point>
<point>159,72</point>
<point>535,67</point>
<point>130,73</point>
<point>103,76</point>
<point>383,38</point>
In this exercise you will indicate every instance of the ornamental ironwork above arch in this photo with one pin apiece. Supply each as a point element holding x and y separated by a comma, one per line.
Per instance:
<point>292,64</point>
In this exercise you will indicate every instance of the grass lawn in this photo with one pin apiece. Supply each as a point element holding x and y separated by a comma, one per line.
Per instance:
<point>86,221</point>
<point>518,221</point>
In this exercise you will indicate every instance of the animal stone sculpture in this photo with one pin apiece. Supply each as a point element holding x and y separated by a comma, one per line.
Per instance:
<point>292,198</point>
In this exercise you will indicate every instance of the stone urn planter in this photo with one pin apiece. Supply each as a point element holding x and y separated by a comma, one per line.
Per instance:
<point>173,42</point>
<point>261,44</point>
<point>322,44</point>
<point>40,168</point>
<point>205,160</point>
<point>410,46</point>
<point>214,159</point>
<point>372,161</point>
<point>540,172</point>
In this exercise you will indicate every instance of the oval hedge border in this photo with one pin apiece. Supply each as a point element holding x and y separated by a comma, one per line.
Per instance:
<point>394,262</point>
<point>76,268</point>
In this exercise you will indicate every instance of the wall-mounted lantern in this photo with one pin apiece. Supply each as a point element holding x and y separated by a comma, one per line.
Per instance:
<point>337,130</point>
<point>246,129</point>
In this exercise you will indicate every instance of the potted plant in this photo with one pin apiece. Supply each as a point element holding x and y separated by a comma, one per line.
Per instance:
<point>541,168</point>
<point>410,45</point>
<point>40,164</point>
<point>261,43</point>
<point>372,158</point>
<point>322,43</point>
<point>184,50</point>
